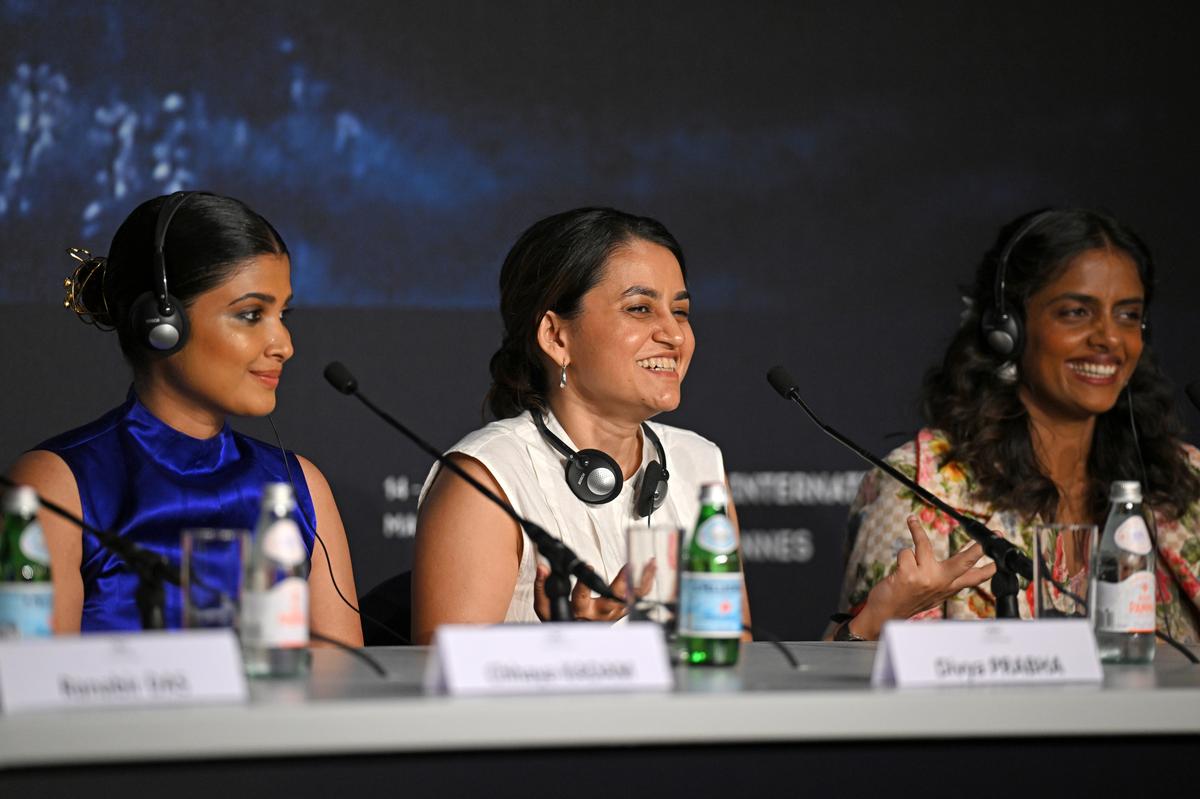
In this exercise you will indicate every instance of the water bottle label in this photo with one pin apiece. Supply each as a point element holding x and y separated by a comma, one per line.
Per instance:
<point>26,609</point>
<point>710,604</point>
<point>33,544</point>
<point>1127,606</point>
<point>277,617</point>
<point>282,543</point>
<point>716,534</point>
<point>1132,536</point>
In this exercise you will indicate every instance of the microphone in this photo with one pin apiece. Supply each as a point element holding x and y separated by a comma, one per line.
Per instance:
<point>151,568</point>
<point>562,559</point>
<point>1193,393</point>
<point>1008,558</point>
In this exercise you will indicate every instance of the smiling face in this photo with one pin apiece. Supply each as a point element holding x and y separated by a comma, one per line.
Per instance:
<point>630,345</point>
<point>237,345</point>
<point>1084,336</point>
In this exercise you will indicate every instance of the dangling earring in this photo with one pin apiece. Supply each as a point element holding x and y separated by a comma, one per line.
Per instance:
<point>562,381</point>
<point>1007,373</point>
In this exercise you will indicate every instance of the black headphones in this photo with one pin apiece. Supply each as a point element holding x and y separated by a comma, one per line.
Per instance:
<point>595,477</point>
<point>1001,328</point>
<point>157,318</point>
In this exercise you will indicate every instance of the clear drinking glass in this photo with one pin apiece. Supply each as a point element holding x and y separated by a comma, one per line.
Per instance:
<point>652,588</point>
<point>1062,569</point>
<point>211,575</point>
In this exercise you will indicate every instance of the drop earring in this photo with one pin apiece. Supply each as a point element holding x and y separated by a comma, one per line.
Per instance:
<point>562,381</point>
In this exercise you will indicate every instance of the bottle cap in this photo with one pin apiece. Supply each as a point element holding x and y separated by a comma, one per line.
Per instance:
<point>22,500</point>
<point>1125,491</point>
<point>713,494</point>
<point>278,497</point>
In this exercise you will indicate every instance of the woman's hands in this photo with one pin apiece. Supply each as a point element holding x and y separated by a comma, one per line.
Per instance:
<point>584,606</point>
<point>919,582</point>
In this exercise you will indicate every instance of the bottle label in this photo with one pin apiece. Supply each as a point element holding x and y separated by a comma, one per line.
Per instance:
<point>1132,536</point>
<point>278,617</point>
<point>710,604</point>
<point>716,534</point>
<point>26,609</point>
<point>33,544</point>
<point>1127,606</point>
<point>282,543</point>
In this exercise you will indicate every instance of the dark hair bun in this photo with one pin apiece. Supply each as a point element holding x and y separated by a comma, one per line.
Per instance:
<point>85,290</point>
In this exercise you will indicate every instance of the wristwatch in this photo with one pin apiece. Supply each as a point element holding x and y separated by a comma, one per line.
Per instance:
<point>844,633</point>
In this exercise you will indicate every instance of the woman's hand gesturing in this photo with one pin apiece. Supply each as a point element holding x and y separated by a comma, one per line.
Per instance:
<point>584,606</point>
<point>919,582</point>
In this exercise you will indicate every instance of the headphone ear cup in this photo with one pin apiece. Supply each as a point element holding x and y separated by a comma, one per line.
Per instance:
<point>653,491</point>
<point>163,334</point>
<point>593,476</point>
<point>1003,334</point>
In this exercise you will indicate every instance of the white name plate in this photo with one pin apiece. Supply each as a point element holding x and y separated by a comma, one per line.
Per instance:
<point>471,660</point>
<point>957,653</point>
<point>121,669</point>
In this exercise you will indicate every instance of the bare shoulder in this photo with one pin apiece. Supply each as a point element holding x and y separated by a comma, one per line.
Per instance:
<point>313,476</point>
<point>445,482</point>
<point>49,475</point>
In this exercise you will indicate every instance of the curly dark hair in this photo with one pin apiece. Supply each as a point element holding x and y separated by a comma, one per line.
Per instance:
<point>988,425</point>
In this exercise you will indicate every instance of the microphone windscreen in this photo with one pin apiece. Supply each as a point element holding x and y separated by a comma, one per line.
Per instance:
<point>340,378</point>
<point>782,382</point>
<point>1193,392</point>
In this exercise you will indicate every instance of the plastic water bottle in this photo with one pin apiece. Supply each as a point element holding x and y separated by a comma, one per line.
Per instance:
<point>26,594</point>
<point>1123,593</point>
<point>274,613</point>
<point>710,586</point>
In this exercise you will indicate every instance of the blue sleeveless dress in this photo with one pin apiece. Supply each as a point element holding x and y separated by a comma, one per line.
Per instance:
<point>146,481</point>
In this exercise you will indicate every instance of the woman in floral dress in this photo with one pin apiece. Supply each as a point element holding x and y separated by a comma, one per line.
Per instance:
<point>1036,432</point>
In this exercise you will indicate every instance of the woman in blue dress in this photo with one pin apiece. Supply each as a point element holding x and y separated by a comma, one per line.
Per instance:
<point>197,288</point>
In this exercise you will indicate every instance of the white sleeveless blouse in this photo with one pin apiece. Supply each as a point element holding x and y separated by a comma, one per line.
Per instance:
<point>533,477</point>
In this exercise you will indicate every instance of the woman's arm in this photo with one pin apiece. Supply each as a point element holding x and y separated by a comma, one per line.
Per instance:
<point>50,476</point>
<point>329,615</point>
<point>467,554</point>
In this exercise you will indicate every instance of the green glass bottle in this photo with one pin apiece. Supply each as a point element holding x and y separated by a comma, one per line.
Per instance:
<point>26,595</point>
<point>710,587</point>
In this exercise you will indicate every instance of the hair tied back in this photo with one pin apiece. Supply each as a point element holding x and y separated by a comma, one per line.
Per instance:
<point>85,294</point>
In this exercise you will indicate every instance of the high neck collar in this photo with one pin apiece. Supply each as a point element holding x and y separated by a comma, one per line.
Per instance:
<point>174,450</point>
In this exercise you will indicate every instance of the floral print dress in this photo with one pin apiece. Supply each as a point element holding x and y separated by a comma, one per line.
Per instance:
<point>877,533</point>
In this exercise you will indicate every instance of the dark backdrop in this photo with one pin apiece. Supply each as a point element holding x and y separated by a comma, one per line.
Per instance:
<point>834,172</point>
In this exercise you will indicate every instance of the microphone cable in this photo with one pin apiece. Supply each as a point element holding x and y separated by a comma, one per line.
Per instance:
<point>129,551</point>
<point>328,561</point>
<point>1166,635</point>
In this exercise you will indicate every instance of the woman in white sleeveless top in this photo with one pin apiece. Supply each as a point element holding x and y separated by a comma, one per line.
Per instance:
<point>597,341</point>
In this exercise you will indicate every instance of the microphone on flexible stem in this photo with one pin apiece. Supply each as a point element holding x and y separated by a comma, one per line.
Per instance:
<point>1010,561</point>
<point>151,568</point>
<point>563,561</point>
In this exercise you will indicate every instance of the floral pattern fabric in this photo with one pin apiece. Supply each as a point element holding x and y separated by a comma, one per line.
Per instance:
<point>878,531</point>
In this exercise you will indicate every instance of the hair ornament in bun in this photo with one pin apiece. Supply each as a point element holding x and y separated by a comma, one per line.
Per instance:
<point>77,286</point>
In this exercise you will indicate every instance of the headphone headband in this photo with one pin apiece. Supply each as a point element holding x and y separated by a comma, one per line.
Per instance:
<point>157,318</point>
<point>1002,266</point>
<point>165,215</point>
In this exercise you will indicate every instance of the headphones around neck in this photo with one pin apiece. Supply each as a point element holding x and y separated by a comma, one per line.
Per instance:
<point>157,318</point>
<point>594,477</point>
